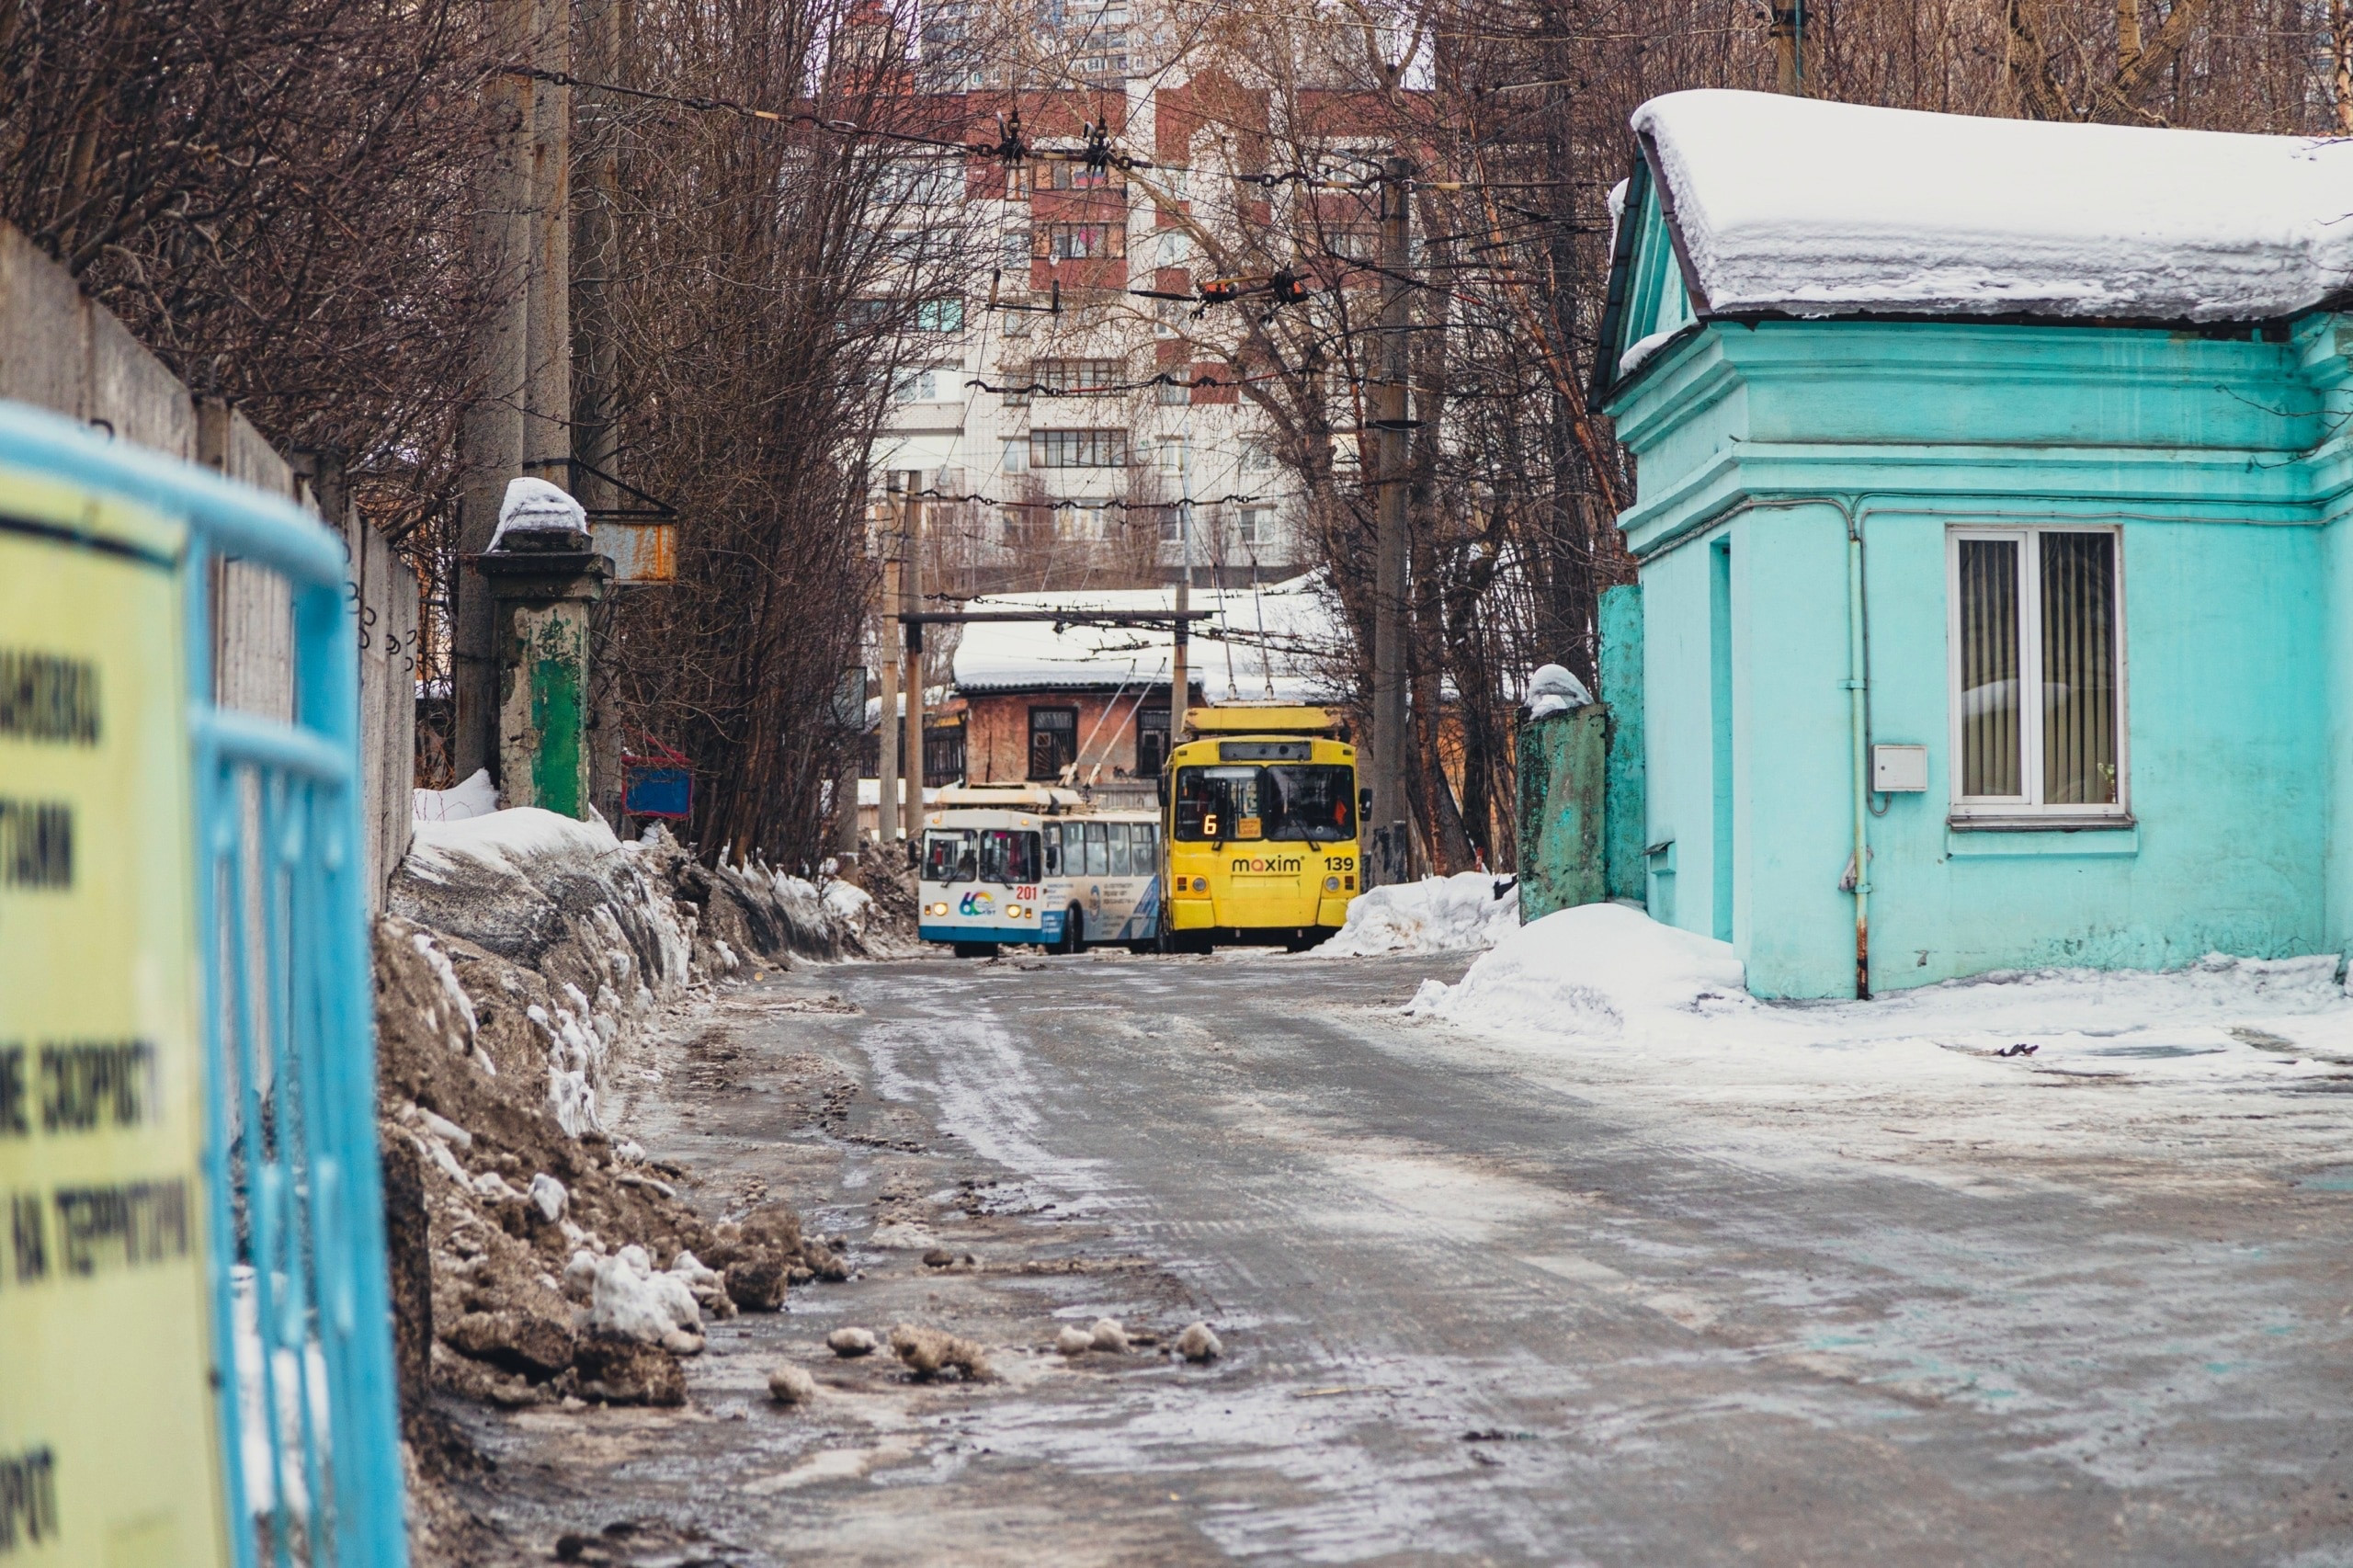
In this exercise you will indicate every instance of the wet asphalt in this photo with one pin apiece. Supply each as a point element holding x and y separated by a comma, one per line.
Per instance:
<point>1472,1310</point>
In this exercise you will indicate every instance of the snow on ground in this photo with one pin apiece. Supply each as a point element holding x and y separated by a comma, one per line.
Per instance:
<point>1436,915</point>
<point>1605,980</point>
<point>476,797</point>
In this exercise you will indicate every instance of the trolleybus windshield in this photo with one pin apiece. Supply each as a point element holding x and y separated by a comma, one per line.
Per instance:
<point>993,855</point>
<point>1313,803</point>
<point>947,857</point>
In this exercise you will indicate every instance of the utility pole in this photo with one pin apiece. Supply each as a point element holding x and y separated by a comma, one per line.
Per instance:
<point>596,347</point>
<point>490,433</point>
<point>1180,678</point>
<point>886,659</point>
<point>1789,45</point>
<point>2341,51</point>
<point>547,387</point>
<point>1391,427</point>
<point>911,588</point>
<point>2128,32</point>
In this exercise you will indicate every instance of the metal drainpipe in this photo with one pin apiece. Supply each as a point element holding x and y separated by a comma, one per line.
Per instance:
<point>1857,685</point>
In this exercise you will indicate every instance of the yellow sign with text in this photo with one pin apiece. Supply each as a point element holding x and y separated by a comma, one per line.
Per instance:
<point>108,1442</point>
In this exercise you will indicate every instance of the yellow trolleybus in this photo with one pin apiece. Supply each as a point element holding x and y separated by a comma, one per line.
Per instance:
<point>1259,827</point>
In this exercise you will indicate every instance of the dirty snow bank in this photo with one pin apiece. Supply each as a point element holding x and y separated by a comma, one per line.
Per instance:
<point>1436,915</point>
<point>1608,975</point>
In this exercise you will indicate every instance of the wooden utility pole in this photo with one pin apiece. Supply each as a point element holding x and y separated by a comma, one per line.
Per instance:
<point>886,659</point>
<point>1788,46</point>
<point>911,589</point>
<point>490,433</point>
<point>596,345</point>
<point>2128,32</point>
<point>1391,427</point>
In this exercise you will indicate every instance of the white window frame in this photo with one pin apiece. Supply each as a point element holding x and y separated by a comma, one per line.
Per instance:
<point>2028,810</point>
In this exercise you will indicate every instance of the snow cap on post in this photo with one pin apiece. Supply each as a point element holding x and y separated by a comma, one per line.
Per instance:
<point>539,516</point>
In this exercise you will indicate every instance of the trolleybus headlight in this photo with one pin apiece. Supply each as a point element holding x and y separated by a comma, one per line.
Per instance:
<point>936,909</point>
<point>1200,884</point>
<point>1014,912</point>
<point>1331,884</point>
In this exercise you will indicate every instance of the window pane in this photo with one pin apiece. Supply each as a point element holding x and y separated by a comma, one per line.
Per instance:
<point>1098,854</point>
<point>1989,666</point>
<point>1054,849</point>
<point>1119,849</point>
<point>2078,669</point>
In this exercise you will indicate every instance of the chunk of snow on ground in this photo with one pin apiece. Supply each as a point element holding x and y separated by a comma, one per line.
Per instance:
<point>475,797</point>
<point>1436,915</point>
<point>1586,971</point>
<point>461,1006</point>
<point>502,838</point>
<point>628,1300</point>
<point>550,1196</point>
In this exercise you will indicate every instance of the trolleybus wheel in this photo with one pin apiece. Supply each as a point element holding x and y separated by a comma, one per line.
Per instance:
<point>1074,932</point>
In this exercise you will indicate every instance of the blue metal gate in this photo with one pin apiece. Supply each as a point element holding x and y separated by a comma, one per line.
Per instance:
<point>294,1227</point>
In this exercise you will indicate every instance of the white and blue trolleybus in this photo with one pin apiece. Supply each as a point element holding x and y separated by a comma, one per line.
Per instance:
<point>1034,870</point>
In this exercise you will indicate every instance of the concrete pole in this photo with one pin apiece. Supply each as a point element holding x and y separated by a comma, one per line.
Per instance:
<point>886,659</point>
<point>1788,46</point>
<point>547,387</point>
<point>595,350</point>
<point>1180,677</point>
<point>911,590</point>
<point>845,840</point>
<point>1389,412</point>
<point>490,432</point>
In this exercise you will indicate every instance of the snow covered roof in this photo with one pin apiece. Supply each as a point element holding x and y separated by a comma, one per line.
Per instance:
<point>1278,632</point>
<point>1793,206</point>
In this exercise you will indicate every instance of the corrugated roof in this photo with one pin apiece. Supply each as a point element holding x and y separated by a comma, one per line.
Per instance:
<point>1283,631</point>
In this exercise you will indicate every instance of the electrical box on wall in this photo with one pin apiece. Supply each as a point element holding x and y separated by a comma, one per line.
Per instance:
<point>1899,770</point>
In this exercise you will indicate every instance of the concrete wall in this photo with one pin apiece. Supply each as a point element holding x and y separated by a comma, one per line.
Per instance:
<point>2237,589</point>
<point>61,352</point>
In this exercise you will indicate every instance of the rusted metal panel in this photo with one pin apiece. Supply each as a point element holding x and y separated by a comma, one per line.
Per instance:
<point>1564,787</point>
<point>641,552</point>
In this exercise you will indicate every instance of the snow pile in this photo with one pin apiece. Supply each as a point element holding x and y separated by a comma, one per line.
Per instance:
<point>476,797</point>
<point>1553,690</point>
<point>629,1298</point>
<point>1811,208</point>
<point>1593,971</point>
<point>1436,915</point>
<point>1607,978</point>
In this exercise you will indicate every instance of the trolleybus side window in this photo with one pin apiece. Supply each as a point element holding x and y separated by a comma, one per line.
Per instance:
<point>1098,853</point>
<point>1008,855</point>
<point>947,857</point>
<point>1054,849</point>
<point>1119,849</point>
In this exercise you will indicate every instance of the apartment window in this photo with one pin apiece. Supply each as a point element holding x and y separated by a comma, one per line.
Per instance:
<point>1252,525</point>
<point>1178,388</point>
<point>1020,180</point>
<point>1068,173</point>
<point>1171,456</point>
<point>1014,249</point>
<point>2037,641</point>
<point>1076,375</point>
<point>1082,520</point>
<point>1079,242</point>
<point>1257,457</point>
<point>1053,741</point>
<point>940,316</point>
<point>1079,449</point>
<point>918,386</point>
<point>1017,455</point>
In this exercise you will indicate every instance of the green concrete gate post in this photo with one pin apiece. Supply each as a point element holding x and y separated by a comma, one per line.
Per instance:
<point>543,599</point>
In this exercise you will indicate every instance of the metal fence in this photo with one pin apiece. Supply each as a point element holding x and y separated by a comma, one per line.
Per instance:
<point>294,1222</point>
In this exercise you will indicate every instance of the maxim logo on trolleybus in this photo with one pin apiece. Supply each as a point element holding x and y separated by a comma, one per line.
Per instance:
<point>1275,864</point>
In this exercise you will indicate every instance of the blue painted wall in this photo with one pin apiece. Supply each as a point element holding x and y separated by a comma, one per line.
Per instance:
<point>2225,464</point>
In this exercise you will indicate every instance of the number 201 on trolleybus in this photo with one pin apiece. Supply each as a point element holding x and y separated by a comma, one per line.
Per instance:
<point>1261,823</point>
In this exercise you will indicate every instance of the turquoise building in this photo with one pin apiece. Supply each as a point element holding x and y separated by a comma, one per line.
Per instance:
<point>1996,584</point>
